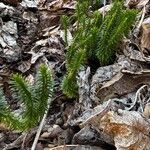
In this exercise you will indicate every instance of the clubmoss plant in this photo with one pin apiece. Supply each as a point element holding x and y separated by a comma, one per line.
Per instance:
<point>95,37</point>
<point>34,98</point>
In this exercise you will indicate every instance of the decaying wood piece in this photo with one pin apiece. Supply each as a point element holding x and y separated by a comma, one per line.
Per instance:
<point>122,84</point>
<point>145,40</point>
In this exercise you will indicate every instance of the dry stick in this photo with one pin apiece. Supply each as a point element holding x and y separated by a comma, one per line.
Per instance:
<point>40,127</point>
<point>136,97</point>
<point>142,17</point>
<point>140,21</point>
<point>23,142</point>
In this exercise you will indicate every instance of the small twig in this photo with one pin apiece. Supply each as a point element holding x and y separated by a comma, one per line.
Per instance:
<point>142,17</point>
<point>23,142</point>
<point>136,96</point>
<point>28,138</point>
<point>141,106</point>
<point>62,64</point>
<point>137,30</point>
<point>40,127</point>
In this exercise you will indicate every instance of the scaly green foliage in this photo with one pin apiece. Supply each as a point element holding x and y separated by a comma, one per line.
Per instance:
<point>69,85</point>
<point>34,98</point>
<point>115,25</point>
<point>96,36</point>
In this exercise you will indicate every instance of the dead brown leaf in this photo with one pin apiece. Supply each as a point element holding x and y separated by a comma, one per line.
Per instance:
<point>122,84</point>
<point>130,129</point>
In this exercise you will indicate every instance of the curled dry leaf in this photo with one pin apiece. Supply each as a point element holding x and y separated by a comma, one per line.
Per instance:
<point>108,73</point>
<point>130,129</point>
<point>123,83</point>
<point>102,75</point>
<point>133,53</point>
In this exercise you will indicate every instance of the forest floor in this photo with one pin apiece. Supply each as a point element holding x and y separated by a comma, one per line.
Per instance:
<point>112,108</point>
